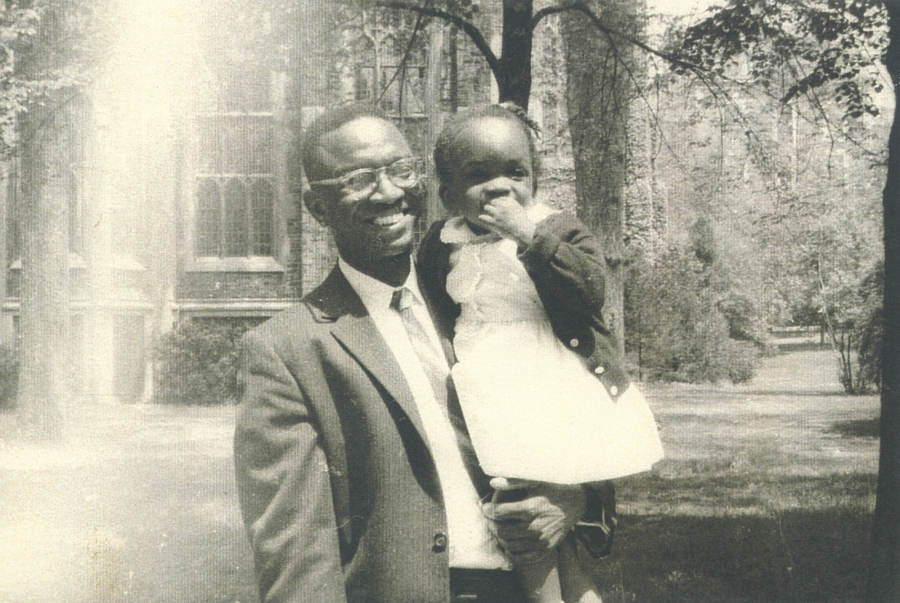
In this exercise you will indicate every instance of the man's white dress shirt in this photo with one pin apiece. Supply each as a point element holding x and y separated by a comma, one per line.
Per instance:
<point>471,544</point>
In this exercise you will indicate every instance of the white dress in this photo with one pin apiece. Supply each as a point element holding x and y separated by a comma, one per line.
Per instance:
<point>533,409</point>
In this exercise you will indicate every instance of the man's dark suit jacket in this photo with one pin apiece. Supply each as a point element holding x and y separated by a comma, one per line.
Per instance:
<point>337,485</point>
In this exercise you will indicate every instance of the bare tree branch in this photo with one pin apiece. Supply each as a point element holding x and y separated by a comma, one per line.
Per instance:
<point>401,70</point>
<point>473,32</point>
<point>580,6</point>
<point>546,12</point>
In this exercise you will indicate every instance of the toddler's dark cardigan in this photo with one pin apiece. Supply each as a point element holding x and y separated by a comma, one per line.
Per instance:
<point>566,262</point>
<point>568,267</point>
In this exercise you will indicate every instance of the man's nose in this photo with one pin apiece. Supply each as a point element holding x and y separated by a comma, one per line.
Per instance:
<point>386,191</point>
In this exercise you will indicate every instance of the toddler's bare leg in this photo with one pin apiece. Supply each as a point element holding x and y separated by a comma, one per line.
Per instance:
<point>541,580</point>
<point>576,585</point>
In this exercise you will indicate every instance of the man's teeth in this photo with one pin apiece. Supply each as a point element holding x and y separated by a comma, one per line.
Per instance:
<point>387,220</point>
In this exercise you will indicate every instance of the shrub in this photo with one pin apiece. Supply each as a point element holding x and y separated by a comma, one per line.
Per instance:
<point>679,328</point>
<point>741,360</point>
<point>9,376</point>
<point>868,331</point>
<point>196,363</point>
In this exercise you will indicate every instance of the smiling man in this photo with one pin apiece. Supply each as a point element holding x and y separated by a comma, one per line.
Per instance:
<point>355,472</point>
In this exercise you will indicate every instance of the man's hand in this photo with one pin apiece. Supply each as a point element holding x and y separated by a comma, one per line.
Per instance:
<point>530,527</point>
<point>506,217</point>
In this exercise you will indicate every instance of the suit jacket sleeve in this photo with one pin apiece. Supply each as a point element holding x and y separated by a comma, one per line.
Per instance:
<point>283,482</point>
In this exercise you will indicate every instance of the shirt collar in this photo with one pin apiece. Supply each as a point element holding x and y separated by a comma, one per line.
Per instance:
<point>374,293</point>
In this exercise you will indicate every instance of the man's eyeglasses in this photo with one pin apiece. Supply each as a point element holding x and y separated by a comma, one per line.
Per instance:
<point>405,173</point>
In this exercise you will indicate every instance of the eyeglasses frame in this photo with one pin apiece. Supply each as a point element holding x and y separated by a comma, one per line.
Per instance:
<point>342,179</point>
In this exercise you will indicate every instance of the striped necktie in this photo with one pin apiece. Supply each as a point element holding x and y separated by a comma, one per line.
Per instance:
<point>432,359</point>
<point>435,366</point>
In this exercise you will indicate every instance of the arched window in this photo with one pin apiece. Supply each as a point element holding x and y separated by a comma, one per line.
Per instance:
<point>377,64</point>
<point>262,203</point>
<point>234,186</point>
<point>236,239</point>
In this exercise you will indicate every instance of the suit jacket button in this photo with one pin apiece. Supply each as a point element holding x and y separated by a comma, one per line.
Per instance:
<point>614,390</point>
<point>599,370</point>
<point>573,343</point>
<point>440,543</point>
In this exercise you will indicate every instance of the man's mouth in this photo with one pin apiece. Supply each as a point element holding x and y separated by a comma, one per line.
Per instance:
<point>388,220</point>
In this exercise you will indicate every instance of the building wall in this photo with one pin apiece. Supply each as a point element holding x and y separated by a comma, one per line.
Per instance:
<point>140,269</point>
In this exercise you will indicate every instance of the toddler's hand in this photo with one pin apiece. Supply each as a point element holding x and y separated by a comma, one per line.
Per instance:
<point>507,218</point>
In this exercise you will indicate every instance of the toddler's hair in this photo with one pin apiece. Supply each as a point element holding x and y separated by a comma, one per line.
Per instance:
<point>445,147</point>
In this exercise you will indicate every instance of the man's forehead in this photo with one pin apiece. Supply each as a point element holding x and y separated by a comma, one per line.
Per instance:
<point>361,137</point>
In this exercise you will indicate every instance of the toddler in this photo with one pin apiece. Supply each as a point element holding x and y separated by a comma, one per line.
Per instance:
<point>539,379</point>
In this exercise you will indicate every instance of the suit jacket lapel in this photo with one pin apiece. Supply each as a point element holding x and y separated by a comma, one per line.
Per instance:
<point>336,301</point>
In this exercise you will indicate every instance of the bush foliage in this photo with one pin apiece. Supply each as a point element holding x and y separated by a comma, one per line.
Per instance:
<point>9,376</point>
<point>868,331</point>
<point>196,363</point>
<point>682,326</point>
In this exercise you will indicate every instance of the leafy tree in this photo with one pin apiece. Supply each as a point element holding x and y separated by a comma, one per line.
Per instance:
<point>818,49</point>
<point>823,48</point>
<point>46,53</point>
<point>869,329</point>
<point>685,321</point>
<point>808,152</point>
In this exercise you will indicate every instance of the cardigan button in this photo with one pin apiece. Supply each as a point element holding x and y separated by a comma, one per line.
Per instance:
<point>440,543</point>
<point>599,370</point>
<point>614,390</point>
<point>573,343</point>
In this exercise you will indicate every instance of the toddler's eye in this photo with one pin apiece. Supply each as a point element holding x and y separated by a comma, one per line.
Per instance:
<point>477,175</point>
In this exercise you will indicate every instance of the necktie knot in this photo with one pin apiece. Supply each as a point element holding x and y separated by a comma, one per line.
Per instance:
<point>402,299</point>
<point>431,357</point>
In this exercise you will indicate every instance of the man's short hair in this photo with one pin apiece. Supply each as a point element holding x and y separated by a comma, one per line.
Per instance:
<point>329,121</point>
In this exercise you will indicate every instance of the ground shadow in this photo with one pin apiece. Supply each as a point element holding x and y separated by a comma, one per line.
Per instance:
<point>860,428</point>
<point>785,346</point>
<point>791,557</point>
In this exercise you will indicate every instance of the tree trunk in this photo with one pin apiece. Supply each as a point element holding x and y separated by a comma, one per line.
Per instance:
<point>599,91</point>
<point>884,582</point>
<point>514,64</point>
<point>44,306</point>
<point>46,133</point>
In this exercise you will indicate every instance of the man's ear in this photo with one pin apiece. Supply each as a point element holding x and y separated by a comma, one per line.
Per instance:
<point>316,202</point>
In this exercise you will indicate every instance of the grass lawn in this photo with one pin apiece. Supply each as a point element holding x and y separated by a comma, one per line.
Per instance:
<point>766,494</point>
<point>138,504</point>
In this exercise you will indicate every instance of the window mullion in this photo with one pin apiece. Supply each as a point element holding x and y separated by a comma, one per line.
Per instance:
<point>223,219</point>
